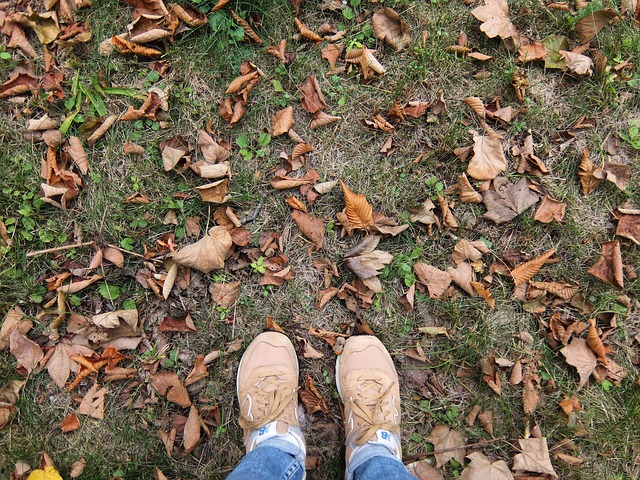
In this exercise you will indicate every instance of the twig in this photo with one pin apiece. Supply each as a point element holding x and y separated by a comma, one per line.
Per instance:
<point>422,456</point>
<point>59,249</point>
<point>255,213</point>
<point>125,251</point>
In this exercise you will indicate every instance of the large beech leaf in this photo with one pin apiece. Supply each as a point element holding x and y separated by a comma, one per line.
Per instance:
<point>208,253</point>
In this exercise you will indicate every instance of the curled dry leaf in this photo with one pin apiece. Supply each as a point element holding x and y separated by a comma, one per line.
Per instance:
<point>13,320</point>
<point>484,293</point>
<point>215,192</point>
<point>198,372</point>
<point>131,148</point>
<point>506,201</point>
<point>278,51</point>
<point>191,434</point>
<point>609,266</point>
<point>208,253</point>
<point>481,468</point>
<point>477,105</point>
<point>251,33</point>
<point>367,61</point>
<point>312,98</point>
<point>9,396</point>
<point>296,204</point>
<point>565,291</point>
<point>281,181</point>
<point>550,210</point>
<point>467,193</point>
<point>225,294</point>
<point>306,32</point>
<point>325,187</point>
<point>320,119</point>
<point>168,383</point>
<point>366,262</point>
<point>79,157</point>
<point>282,121</point>
<point>525,271</point>
<point>615,173</point>
<point>463,276</point>
<point>594,342</point>
<point>357,209</point>
<point>628,226</point>
<point>128,47</point>
<point>312,399</point>
<point>534,457</point>
<point>70,423</point>
<point>577,63</point>
<point>388,26</point>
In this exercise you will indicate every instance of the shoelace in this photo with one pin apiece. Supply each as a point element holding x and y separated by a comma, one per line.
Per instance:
<point>373,409</point>
<point>269,405</point>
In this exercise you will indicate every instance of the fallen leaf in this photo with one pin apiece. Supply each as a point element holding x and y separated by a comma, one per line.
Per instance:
<point>357,209</point>
<point>306,32</point>
<point>444,438</point>
<point>565,291</point>
<point>312,98</point>
<point>212,151</point>
<point>183,324</point>
<point>282,121</point>
<point>251,33</point>
<point>590,25</point>
<point>216,192</point>
<point>70,423</point>
<point>488,158</point>
<point>484,293</point>
<point>168,383</point>
<point>586,172</point>
<point>534,457</point>
<point>312,227</point>
<point>332,52</point>
<point>481,468</point>
<point>615,173</point>
<point>434,279</point>
<point>628,227</point>
<point>279,51</point>
<point>532,52</point>
<point>9,396</point>
<point>595,343</point>
<point>28,354</point>
<point>570,405</point>
<point>320,119</point>
<point>609,266</point>
<point>366,262</point>
<point>525,271</point>
<point>191,435</point>
<point>422,470</point>
<point>128,47</point>
<point>225,294</point>
<point>490,374</point>
<point>60,364</point>
<point>550,210</point>
<point>77,468</point>
<point>367,61</point>
<point>208,253</point>
<point>577,63</point>
<point>506,200</point>
<point>13,320</point>
<point>388,26</point>
<point>305,348</point>
<point>569,459</point>
<point>579,355</point>
<point>282,181</point>
<point>93,402</point>
<point>495,17</point>
<point>462,276</point>
<point>18,83</point>
<point>466,250</point>
<point>312,399</point>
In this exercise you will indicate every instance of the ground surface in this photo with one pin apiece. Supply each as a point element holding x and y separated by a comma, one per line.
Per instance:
<point>203,61</point>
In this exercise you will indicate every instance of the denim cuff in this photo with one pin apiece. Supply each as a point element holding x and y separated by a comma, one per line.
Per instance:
<point>367,453</point>
<point>296,452</point>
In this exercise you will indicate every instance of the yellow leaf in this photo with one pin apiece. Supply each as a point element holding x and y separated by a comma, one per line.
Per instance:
<point>49,473</point>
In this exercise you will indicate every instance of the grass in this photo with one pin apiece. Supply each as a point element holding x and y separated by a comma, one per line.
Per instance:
<point>125,444</point>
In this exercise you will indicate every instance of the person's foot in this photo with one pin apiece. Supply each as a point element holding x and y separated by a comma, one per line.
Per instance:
<point>267,386</point>
<point>368,385</point>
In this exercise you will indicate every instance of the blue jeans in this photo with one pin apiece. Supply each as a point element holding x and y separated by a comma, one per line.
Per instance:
<point>276,460</point>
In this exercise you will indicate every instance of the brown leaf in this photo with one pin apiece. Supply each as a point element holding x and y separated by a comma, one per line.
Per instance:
<point>577,63</point>
<point>448,220</point>
<point>590,25</point>
<point>444,438</point>
<point>529,162</point>
<point>495,17</point>
<point>278,51</point>
<point>565,291</point>
<point>126,46</point>
<point>467,192</point>
<point>488,158</point>
<point>424,214</point>
<point>484,293</point>
<point>609,267</point>
<point>628,227</point>
<point>312,227</point>
<point>462,276</point>
<point>307,33</point>
<point>466,250</point>
<point>225,294</point>
<point>481,468</point>
<point>60,365</point>
<point>198,372</point>
<point>306,350</point>
<point>312,399</point>
<point>615,173</point>
<point>168,383</point>
<point>366,262</point>
<point>477,105</point>
<point>586,172</point>
<point>281,181</point>
<point>434,279</point>
<point>93,402</point>
<point>282,121</point>
<point>320,119</point>
<point>312,98</point>
<point>246,27</point>
<point>422,470</point>
<point>208,253</point>
<point>532,52</point>
<point>388,26</point>
<point>212,151</point>
<point>28,354</point>
<point>296,204</point>
<point>357,209</point>
<point>534,457</point>
<point>9,396</point>
<point>332,52</point>
<point>216,192</point>
<point>184,324</point>
<point>550,210</point>
<point>367,61</point>
<point>77,468</point>
<point>191,436</point>
<point>490,374</point>
<point>579,355</point>
<point>525,271</point>
<point>506,201</point>
<point>18,83</point>
<point>13,320</point>
<point>70,423</point>
<point>594,342</point>
<point>570,404</point>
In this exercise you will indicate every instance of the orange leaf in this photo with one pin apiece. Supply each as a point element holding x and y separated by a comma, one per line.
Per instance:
<point>246,27</point>
<point>282,121</point>
<point>609,267</point>
<point>70,423</point>
<point>484,293</point>
<point>594,342</point>
<point>125,46</point>
<point>523,272</point>
<point>306,32</point>
<point>358,210</point>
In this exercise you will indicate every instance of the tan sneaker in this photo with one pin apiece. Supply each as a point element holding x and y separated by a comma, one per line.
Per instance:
<point>368,385</point>
<point>267,386</point>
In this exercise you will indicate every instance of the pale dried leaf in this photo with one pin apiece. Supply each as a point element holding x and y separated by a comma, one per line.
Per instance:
<point>282,121</point>
<point>481,468</point>
<point>534,457</point>
<point>433,278</point>
<point>579,355</point>
<point>388,26</point>
<point>443,438</point>
<point>609,266</point>
<point>488,158</point>
<point>208,253</point>
<point>93,402</point>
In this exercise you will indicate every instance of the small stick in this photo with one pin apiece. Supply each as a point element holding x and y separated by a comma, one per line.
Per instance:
<point>422,456</point>
<point>255,213</point>
<point>59,249</point>
<point>124,251</point>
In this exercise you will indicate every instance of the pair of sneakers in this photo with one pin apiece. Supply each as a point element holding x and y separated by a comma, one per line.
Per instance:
<point>366,379</point>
